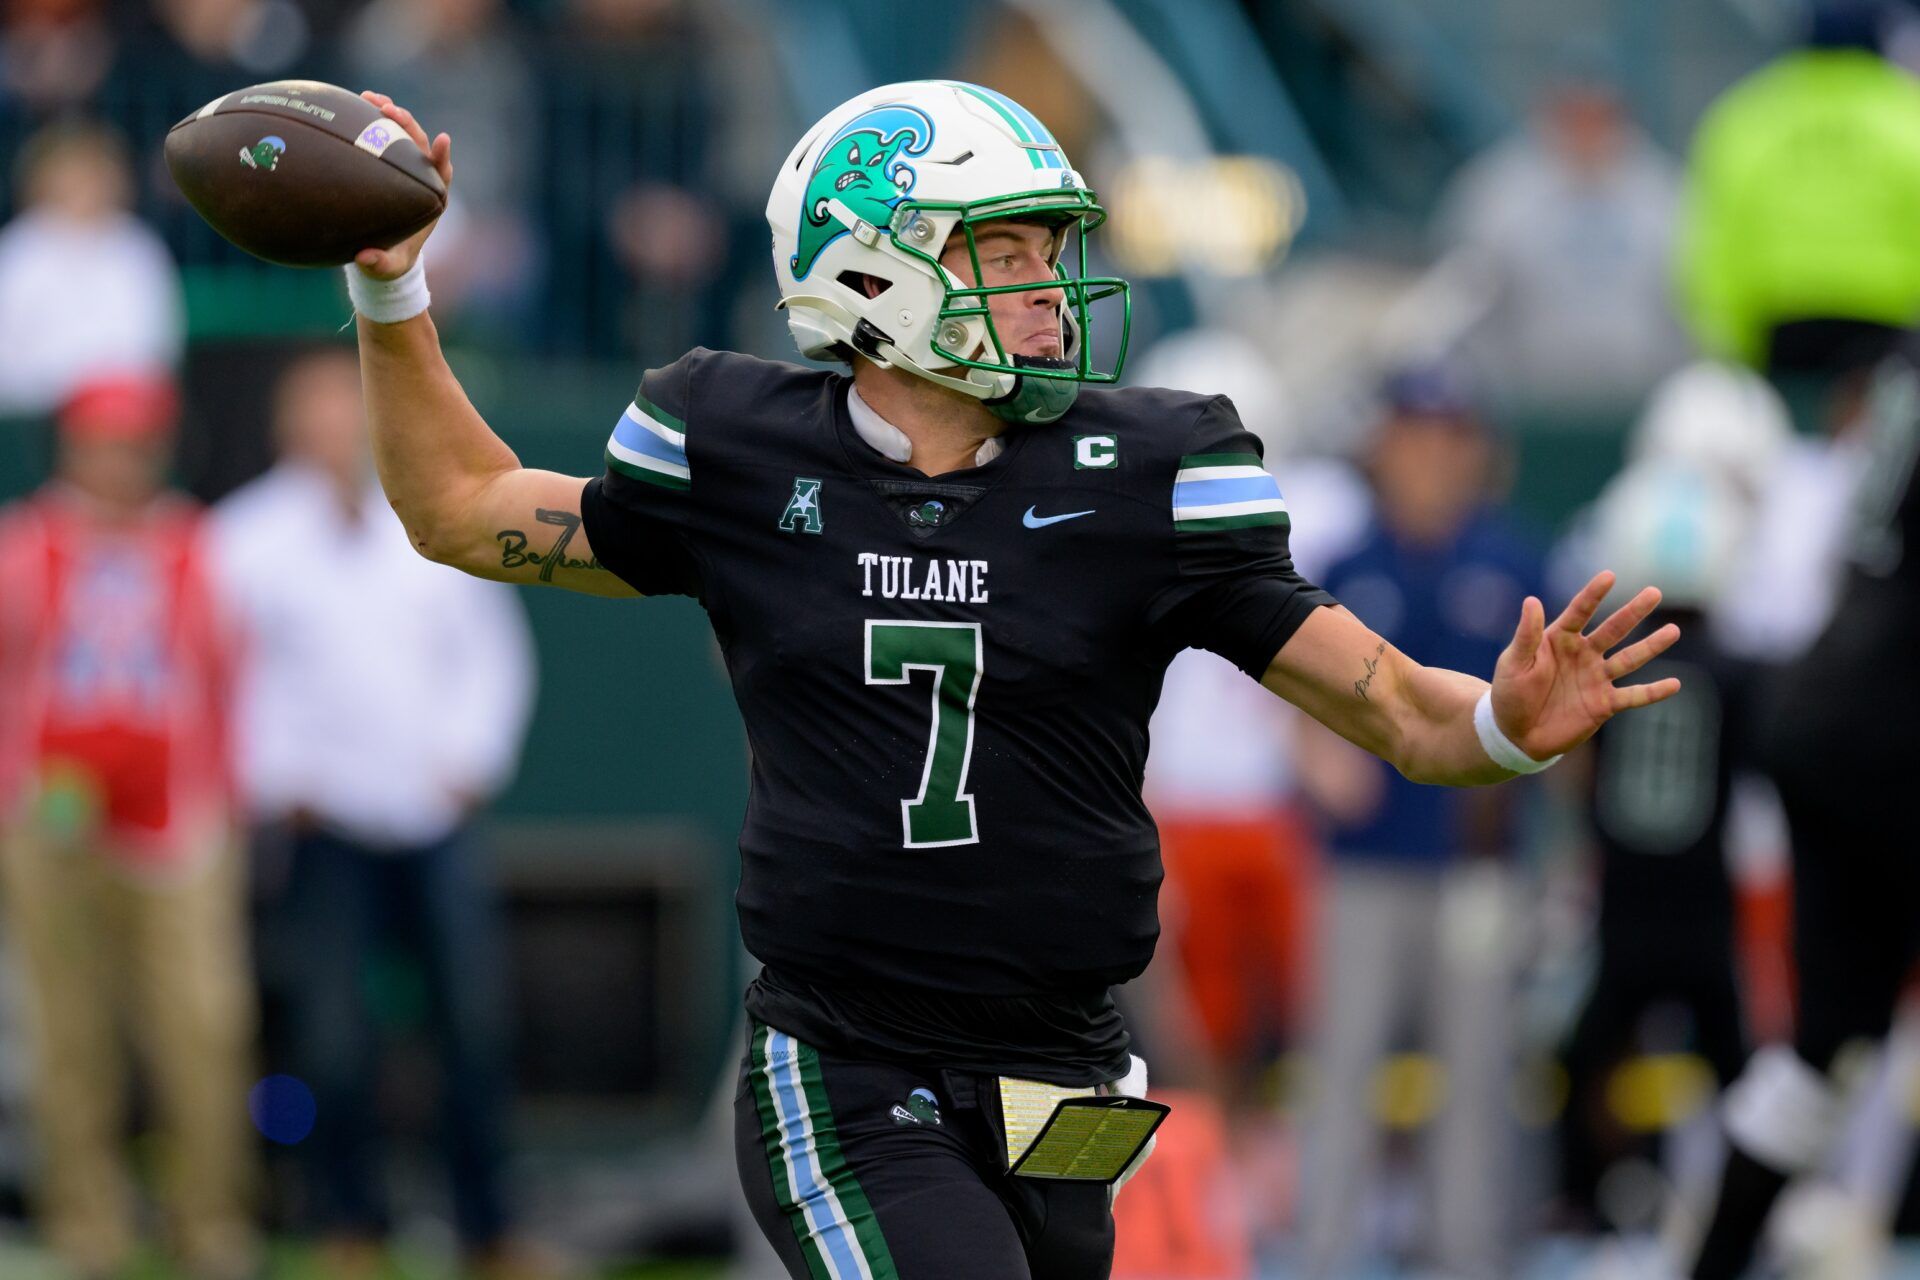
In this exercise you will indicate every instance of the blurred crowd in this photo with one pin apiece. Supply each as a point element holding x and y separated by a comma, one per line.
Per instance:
<point>246,749</point>
<point>278,694</point>
<point>1495,1017</point>
<point>591,215</point>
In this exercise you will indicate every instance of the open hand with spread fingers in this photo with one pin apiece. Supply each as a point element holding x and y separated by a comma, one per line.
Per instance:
<point>1554,685</point>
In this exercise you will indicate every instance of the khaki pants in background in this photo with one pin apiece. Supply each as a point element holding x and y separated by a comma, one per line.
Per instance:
<point>105,959</point>
<point>1435,950</point>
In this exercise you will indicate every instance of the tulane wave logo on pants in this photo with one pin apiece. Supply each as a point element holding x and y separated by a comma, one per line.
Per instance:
<point>920,1108</point>
<point>864,167</point>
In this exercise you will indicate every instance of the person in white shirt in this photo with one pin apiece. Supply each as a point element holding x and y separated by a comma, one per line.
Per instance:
<point>1222,779</point>
<point>383,700</point>
<point>86,288</point>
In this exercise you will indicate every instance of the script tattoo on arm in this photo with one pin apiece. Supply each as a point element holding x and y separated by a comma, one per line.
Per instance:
<point>1373,668</point>
<point>514,553</point>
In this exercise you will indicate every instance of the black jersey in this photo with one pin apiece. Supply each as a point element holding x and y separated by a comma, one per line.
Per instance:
<point>1849,709</point>
<point>946,685</point>
<point>1662,784</point>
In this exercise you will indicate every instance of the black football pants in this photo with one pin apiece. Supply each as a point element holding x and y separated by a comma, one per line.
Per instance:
<point>1856,921</point>
<point>874,1171</point>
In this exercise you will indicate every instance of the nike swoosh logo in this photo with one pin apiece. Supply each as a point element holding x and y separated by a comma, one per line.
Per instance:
<point>1033,521</point>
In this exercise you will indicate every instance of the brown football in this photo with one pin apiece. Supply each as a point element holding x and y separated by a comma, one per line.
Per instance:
<point>303,173</point>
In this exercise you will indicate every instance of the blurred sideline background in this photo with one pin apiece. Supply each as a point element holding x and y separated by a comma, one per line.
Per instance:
<point>1360,218</point>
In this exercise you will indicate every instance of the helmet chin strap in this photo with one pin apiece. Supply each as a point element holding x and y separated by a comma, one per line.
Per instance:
<point>1037,401</point>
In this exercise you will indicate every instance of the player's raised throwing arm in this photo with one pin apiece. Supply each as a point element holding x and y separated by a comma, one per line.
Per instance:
<point>461,493</point>
<point>1552,688</point>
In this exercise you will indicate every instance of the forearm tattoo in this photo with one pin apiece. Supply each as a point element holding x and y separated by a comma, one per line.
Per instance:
<point>514,553</point>
<point>1361,685</point>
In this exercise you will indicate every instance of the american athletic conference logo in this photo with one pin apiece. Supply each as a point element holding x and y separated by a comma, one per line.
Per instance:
<point>803,508</point>
<point>864,167</point>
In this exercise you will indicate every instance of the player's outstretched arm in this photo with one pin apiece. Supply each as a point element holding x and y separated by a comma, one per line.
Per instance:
<point>461,493</point>
<point>1552,688</point>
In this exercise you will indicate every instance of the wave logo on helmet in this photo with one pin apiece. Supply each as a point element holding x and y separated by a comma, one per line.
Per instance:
<point>864,167</point>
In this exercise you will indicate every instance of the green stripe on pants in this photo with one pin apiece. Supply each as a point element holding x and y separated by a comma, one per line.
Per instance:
<point>853,1200</point>
<point>770,1139</point>
<point>813,1184</point>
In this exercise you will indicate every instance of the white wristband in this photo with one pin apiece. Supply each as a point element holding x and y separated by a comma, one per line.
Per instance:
<point>390,301</point>
<point>1498,746</point>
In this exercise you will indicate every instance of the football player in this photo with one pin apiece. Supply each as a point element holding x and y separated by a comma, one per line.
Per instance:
<point>946,584</point>
<point>1839,741</point>
<point>1658,796</point>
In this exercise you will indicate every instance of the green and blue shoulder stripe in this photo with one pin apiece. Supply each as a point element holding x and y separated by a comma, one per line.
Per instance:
<point>1225,491</point>
<point>650,444</point>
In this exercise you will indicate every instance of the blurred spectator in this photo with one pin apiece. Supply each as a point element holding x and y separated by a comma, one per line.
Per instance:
<point>1221,777</point>
<point>1803,188</point>
<point>123,881</point>
<point>1417,923</point>
<point>382,705</point>
<point>53,53</point>
<point>678,214</point>
<point>261,38</point>
<point>1573,222</point>
<point>1230,974</point>
<point>1659,790</point>
<point>85,287</point>
<point>638,235</point>
<point>459,67</point>
<point>174,56</point>
<point>1237,857</point>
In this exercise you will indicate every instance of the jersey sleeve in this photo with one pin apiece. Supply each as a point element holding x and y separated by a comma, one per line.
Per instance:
<point>639,516</point>
<point>1233,588</point>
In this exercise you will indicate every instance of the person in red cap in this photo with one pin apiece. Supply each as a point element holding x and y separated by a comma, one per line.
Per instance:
<point>121,874</point>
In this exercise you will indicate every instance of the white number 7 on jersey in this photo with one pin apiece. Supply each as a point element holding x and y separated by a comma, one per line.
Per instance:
<point>942,814</point>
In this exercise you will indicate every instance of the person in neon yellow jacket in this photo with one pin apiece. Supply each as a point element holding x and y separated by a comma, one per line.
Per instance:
<point>1804,195</point>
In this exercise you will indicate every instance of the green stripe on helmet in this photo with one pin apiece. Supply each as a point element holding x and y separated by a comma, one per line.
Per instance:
<point>1020,130</point>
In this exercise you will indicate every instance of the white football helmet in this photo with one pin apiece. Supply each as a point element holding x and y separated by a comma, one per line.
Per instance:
<point>1677,527</point>
<point>877,188</point>
<point>1716,417</point>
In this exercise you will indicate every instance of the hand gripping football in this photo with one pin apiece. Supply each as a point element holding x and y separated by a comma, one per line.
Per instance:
<point>302,173</point>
